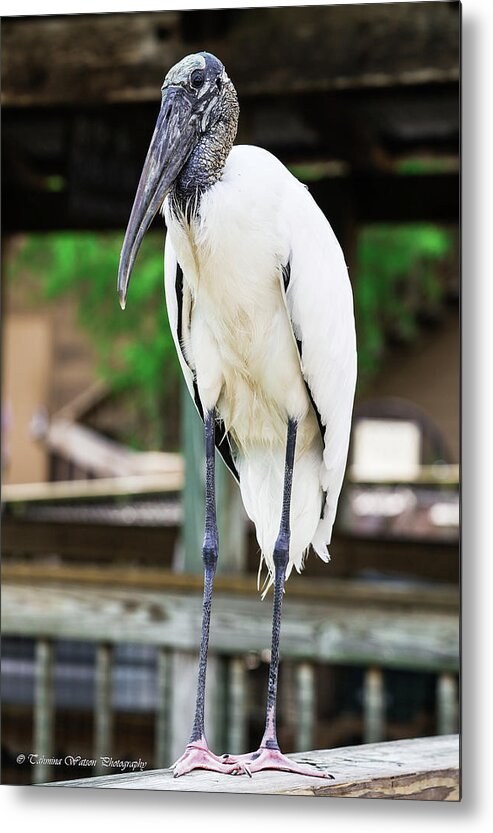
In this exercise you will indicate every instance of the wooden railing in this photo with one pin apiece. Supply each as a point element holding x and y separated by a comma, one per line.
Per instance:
<point>336,623</point>
<point>424,769</point>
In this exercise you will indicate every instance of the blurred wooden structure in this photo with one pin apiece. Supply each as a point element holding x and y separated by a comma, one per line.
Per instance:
<point>96,456</point>
<point>366,109</point>
<point>136,521</point>
<point>375,627</point>
<point>422,770</point>
<point>361,86</point>
<point>86,561</point>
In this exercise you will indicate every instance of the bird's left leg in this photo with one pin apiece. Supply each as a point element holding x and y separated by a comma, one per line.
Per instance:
<point>268,755</point>
<point>197,754</point>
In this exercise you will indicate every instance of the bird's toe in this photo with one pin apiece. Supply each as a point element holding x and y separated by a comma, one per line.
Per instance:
<point>198,756</point>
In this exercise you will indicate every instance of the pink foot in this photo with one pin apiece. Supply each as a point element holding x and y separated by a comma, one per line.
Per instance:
<point>197,755</point>
<point>266,758</point>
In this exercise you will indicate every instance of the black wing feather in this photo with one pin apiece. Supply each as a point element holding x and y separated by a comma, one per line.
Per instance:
<point>222,438</point>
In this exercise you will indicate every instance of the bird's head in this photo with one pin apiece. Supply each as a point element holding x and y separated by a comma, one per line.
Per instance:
<point>197,96</point>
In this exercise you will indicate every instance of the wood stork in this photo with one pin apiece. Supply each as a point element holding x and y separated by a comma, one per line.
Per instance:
<point>261,309</point>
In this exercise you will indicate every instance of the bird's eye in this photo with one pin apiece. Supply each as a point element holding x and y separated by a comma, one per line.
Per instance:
<point>219,83</point>
<point>197,78</point>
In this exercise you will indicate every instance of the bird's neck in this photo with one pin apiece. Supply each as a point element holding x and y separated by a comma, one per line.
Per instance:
<point>206,163</point>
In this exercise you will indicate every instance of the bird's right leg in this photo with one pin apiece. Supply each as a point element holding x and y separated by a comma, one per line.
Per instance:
<point>268,755</point>
<point>197,754</point>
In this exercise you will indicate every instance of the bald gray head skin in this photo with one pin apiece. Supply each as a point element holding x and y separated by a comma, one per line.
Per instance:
<point>194,133</point>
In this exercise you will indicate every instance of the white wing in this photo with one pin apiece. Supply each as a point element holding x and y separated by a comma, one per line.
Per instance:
<point>179,306</point>
<point>320,305</point>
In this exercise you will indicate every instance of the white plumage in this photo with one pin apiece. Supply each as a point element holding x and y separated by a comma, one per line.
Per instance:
<point>260,307</point>
<point>264,330</point>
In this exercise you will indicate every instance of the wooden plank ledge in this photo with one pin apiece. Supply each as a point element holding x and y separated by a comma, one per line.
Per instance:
<point>99,489</point>
<point>420,768</point>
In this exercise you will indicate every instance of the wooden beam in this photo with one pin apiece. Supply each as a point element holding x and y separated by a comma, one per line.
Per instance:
<point>65,60</point>
<point>443,474</point>
<point>102,457</point>
<point>102,488</point>
<point>361,634</point>
<point>170,478</point>
<point>97,542</point>
<point>425,769</point>
<point>74,119</point>
<point>84,402</point>
<point>419,596</point>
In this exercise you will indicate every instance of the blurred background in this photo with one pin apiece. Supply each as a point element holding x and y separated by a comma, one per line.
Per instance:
<point>102,452</point>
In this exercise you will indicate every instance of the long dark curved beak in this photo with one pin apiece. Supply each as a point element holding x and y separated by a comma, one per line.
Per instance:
<point>172,142</point>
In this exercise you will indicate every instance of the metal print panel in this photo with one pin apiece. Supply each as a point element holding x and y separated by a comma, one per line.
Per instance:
<point>231,512</point>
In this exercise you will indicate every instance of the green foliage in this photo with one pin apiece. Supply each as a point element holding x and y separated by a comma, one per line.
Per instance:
<point>421,166</point>
<point>134,348</point>
<point>397,278</point>
<point>313,171</point>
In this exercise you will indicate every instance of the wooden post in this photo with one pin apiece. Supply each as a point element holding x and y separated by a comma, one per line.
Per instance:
<point>373,706</point>
<point>232,550</point>
<point>447,704</point>
<point>305,687</point>
<point>230,512</point>
<point>237,701</point>
<point>182,700</point>
<point>43,710</point>
<point>218,719</point>
<point>162,752</point>
<point>103,714</point>
<point>231,521</point>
